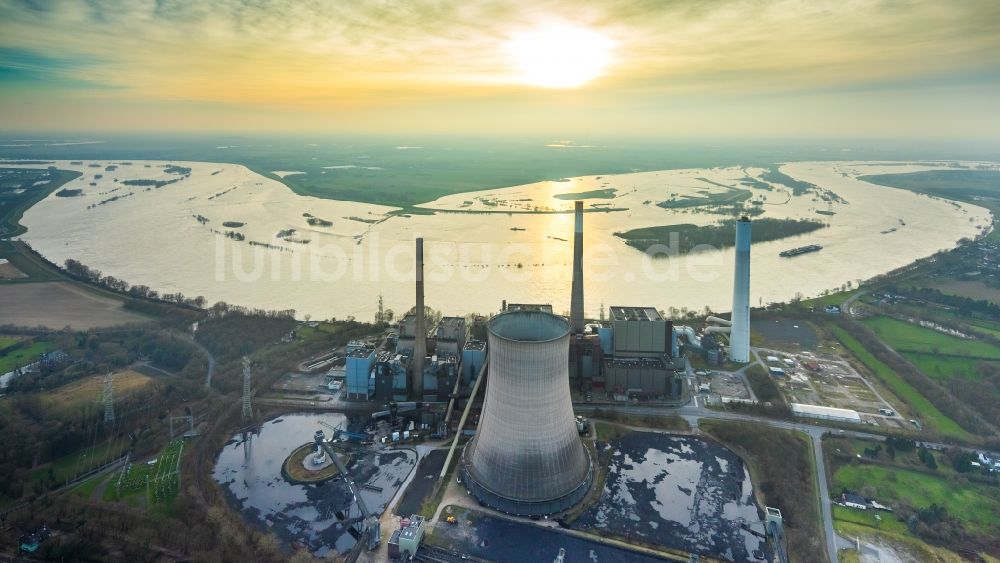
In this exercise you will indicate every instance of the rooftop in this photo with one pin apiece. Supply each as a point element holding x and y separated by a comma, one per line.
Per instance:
<point>529,307</point>
<point>619,313</point>
<point>361,353</point>
<point>825,412</point>
<point>478,345</point>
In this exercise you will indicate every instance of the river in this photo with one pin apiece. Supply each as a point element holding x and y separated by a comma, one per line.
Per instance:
<point>328,258</point>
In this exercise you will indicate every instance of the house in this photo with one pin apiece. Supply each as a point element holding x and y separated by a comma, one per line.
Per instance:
<point>854,501</point>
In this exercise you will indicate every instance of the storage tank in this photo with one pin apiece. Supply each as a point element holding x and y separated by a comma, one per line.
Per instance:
<point>527,458</point>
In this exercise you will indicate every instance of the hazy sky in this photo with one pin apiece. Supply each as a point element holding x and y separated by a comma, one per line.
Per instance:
<point>744,68</point>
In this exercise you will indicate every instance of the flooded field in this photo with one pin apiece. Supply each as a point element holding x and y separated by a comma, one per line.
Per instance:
<point>226,233</point>
<point>249,471</point>
<point>679,492</point>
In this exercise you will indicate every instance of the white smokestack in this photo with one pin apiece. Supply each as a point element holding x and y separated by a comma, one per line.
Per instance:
<point>576,300</point>
<point>739,344</point>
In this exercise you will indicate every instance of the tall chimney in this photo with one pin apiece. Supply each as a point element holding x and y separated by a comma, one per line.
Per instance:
<point>420,339</point>
<point>576,301</point>
<point>739,344</point>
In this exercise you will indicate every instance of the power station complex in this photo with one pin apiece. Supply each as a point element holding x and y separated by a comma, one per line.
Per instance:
<point>527,457</point>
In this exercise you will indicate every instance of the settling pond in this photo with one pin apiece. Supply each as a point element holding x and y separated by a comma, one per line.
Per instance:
<point>680,492</point>
<point>249,471</point>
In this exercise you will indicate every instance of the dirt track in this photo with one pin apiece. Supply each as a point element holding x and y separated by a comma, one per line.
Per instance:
<point>58,304</point>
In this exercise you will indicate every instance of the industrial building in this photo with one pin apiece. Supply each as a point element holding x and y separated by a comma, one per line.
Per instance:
<point>527,457</point>
<point>473,358</point>
<point>451,333</point>
<point>360,362</point>
<point>642,346</point>
<point>640,332</point>
<point>826,413</point>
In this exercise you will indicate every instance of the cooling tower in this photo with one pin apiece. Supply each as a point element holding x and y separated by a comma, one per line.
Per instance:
<point>527,457</point>
<point>739,345</point>
<point>576,301</point>
<point>420,338</point>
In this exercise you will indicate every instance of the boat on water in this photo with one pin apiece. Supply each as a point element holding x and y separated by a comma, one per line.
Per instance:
<point>800,250</point>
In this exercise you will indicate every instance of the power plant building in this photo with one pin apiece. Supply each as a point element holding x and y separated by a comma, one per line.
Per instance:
<point>640,332</point>
<point>360,362</point>
<point>527,457</point>
<point>641,363</point>
<point>473,358</point>
<point>451,334</point>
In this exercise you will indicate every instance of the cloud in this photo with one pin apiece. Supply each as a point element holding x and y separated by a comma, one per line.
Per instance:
<point>429,55</point>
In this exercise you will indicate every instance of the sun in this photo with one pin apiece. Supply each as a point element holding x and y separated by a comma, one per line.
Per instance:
<point>560,56</point>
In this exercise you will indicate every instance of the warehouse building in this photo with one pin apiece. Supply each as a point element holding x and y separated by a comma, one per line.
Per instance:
<point>826,413</point>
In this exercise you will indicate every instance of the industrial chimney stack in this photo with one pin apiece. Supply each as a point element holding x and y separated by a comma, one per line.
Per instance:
<point>739,345</point>
<point>420,339</point>
<point>576,301</point>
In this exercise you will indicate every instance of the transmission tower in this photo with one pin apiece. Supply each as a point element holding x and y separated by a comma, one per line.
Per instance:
<point>108,397</point>
<point>380,318</point>
<point>247,408</point>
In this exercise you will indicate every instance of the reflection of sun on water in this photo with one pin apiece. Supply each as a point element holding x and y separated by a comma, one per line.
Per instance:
<point>560,56</point>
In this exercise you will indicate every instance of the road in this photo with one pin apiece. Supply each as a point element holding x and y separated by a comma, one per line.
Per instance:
<point>208,357</point>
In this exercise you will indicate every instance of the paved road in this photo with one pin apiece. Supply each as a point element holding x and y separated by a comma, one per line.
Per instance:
<point>209,357</point>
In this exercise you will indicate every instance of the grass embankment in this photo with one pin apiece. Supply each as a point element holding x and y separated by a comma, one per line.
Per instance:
<point>830,299</point>
<point>906,392</point>
<point>940,356</point>
<point>686,237</point>
<point>781,467</point>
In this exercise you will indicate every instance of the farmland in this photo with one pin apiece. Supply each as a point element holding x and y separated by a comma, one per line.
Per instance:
<point>899,387</point>
<point>940,356</point>
<point>79,394</point>
<point>60,304</point>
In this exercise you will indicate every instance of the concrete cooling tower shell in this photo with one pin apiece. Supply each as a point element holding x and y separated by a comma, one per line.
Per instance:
<point>527,457</point>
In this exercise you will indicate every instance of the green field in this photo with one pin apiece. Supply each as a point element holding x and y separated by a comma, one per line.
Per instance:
<point>900,388</point>
<point>6,341</point>
<point>977,505</point>
<point>867,518</point>
<point>940,356</point>
<point>23,356</point>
